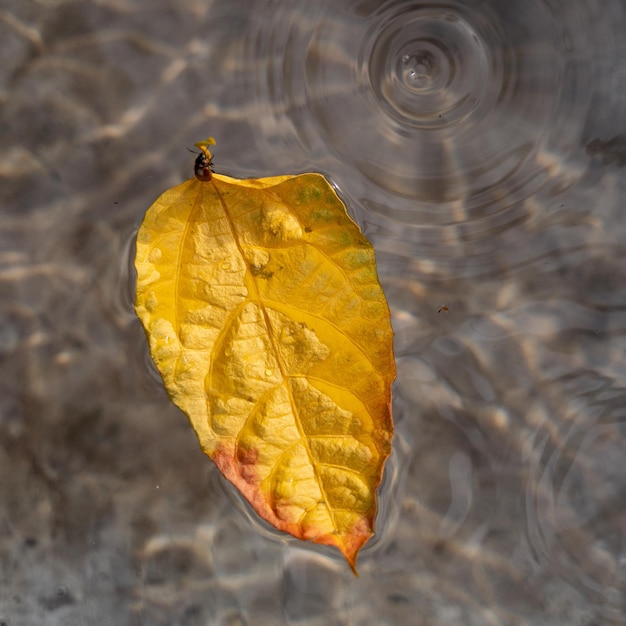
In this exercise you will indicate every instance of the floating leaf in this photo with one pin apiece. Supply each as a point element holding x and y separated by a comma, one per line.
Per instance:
<point>265,318</point>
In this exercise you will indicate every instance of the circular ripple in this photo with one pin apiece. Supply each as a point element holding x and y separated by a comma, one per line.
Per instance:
<point>430,71</point>
<point>435,103</point>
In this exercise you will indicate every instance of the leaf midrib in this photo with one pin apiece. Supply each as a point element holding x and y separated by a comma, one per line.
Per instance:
<point>261,305</point>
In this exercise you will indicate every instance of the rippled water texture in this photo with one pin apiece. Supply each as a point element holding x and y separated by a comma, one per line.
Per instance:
<point>481,145</point>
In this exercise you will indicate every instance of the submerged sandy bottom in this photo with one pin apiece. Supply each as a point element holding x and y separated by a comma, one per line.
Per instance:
<point>503,501</point>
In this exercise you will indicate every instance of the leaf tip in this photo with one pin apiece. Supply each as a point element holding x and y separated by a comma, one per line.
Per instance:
<point>351,543</point>
<point>352,563</point>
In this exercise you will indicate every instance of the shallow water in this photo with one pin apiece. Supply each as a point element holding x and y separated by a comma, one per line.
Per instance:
<point>481,147</point>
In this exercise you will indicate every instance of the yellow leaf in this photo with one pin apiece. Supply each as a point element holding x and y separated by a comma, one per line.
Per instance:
<point>265,318</point>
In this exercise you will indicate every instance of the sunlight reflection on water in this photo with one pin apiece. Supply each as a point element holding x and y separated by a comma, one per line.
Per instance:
<point>480,146</point>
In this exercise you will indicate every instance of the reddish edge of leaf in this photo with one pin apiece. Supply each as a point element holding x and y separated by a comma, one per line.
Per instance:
<point>243,476</point>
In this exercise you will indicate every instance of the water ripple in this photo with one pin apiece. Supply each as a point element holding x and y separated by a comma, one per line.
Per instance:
<point>481,147</point>
<point>436,104</point>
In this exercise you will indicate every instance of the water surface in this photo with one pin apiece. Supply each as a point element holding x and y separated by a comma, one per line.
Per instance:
<point>481,146</point>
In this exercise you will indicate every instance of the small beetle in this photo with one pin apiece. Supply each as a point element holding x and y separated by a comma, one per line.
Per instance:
<point>203,168</point>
